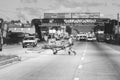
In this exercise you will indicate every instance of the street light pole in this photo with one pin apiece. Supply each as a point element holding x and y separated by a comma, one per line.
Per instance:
<point>118,22</point>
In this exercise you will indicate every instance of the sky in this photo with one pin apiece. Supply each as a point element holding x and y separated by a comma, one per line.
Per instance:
<point>28,9</point>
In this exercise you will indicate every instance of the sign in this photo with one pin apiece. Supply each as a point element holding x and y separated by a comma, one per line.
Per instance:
<point>59,21</point>
<point>57,15</point>
<point>80,20</point>
<point>72,15</point>
<point>86,15</point>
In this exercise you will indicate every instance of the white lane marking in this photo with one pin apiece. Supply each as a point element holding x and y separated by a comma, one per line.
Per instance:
<point>82,58</point>
<point>84,52</point>
<point>85,49</point>
<point>76,79</point>
<point>80,66</point>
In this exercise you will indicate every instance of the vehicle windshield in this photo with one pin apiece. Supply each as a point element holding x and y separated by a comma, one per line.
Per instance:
<point>29,38</point>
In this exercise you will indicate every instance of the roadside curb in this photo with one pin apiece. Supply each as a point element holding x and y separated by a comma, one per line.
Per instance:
<point>9,61</point>
<point>34,51</point>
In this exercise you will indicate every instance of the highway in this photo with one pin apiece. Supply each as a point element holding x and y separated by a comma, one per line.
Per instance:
<point>94,61</point>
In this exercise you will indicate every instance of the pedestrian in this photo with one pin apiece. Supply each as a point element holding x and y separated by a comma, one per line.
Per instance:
<point>70,44</point>
<point>46,38</point>
<point>54,51</point>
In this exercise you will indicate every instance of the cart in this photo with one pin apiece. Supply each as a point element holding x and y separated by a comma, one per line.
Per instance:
<point>55,46</point>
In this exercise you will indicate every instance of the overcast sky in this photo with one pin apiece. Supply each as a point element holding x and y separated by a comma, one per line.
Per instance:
<point>27,9</point>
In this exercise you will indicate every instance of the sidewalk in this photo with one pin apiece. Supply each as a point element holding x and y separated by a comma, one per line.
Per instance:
<point>15,50</point>
<point>21,53</point>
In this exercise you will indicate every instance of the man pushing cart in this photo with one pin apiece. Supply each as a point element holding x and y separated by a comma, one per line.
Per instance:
<point>63,44</point>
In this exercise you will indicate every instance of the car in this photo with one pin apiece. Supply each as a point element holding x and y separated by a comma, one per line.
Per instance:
<point>89,38</point>
<point>83,37</point>
<point>94,38</point>
<point>29,41</point>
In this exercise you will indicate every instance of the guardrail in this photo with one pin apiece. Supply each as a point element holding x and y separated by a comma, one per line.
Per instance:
<point>10,61</point>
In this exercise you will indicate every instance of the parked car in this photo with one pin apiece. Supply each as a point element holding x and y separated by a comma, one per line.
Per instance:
<point>29,41</point>
<point>94,38</point>
<point>89,38</point>
<point>83,37</point>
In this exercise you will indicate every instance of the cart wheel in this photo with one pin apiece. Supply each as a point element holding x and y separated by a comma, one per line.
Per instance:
<point>69,52</point>
<point>55,52</point>
<point>74,52</point>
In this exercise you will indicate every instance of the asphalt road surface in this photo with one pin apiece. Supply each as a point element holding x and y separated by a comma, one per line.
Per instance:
<point>94,61</point>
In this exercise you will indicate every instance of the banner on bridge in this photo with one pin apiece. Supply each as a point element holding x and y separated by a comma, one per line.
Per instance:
<point>72,15</point>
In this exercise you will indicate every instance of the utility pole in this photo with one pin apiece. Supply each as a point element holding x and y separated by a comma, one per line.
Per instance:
<point>118,21</point>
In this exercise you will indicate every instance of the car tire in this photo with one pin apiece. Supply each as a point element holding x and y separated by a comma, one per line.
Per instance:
<point>0,49</point>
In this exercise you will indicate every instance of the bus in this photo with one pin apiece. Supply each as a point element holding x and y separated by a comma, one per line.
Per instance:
<point>1,33</point>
